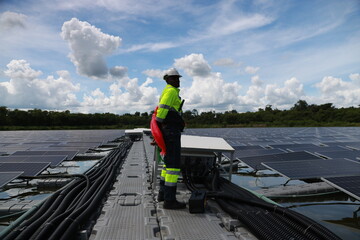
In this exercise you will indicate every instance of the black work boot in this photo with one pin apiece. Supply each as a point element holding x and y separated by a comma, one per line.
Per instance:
<point>170,201</point>
<point>160,196</point>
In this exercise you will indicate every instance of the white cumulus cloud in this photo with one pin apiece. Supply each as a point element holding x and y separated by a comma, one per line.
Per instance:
<point>155,73</point>
<point>225,62</point>
<point>89,47</point>
<point>208,89</point>
<point>118,71</point>
<point>26,89</point>
<point>251,70</point>
<point>12,20</point>
<point>124,95</point>
<point>339,92</point>
<point>194,65</point>
<point>284,97</point>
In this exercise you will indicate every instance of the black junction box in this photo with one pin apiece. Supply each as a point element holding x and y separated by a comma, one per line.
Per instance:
<point>197,201</point>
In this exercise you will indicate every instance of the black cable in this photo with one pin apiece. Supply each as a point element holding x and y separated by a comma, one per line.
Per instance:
<point>306,224</point>
<point>62,211</point>
<point>78,199</point>
<point>71,224</point>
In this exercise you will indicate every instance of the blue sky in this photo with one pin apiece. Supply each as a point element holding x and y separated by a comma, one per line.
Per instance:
<point>110,55</point>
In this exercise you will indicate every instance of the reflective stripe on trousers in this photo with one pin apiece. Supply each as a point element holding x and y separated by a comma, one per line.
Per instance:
<point>171,177</point>
<point>163,173</point>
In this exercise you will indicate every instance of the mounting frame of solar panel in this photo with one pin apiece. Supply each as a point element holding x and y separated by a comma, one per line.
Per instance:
<point>310,165</point>
<point>70,154</point>
<point>54,160</point>
<point>6,177</point>
<point>25,167</point>
<point>341,188</point>
<point>277,158</point>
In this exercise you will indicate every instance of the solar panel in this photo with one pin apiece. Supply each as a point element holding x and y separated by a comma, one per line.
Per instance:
<point>29,169</point>
<point>255,161</point>
<point>255,152</point>
<point>262,143</point>
<point>353,145</point>
<point>78,144</point>
<point>315,168</point>
<point>70,154</point>
<point>54,160</point>
<point>315,148</point>
<point>42,143</point>
<point>287,145</point>
<point>349,185</point>
<point>353,155</point>
<point>6,177</point>
<point>248,147</point>
<point>49,148</point>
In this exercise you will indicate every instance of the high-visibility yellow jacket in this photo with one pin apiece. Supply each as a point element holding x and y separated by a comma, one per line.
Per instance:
<point>169,106</point>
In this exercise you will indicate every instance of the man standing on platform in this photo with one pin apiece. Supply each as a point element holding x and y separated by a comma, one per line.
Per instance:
<point>171,124</point>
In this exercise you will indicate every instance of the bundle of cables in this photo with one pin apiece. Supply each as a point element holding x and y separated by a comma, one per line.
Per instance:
<point>71,208</point>
<point>264,219</point>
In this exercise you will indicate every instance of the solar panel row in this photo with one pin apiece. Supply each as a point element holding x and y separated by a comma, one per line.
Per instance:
<point>53,160</point>
<point>349,185</point>
<point>6,177</point>
<point>28,169</point>
<point>69,154</point>
<point>315,168</point>
<point>255,161</point>
<point>33,151</point>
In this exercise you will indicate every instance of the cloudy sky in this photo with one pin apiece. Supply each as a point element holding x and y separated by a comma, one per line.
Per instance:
<point>110,55</point>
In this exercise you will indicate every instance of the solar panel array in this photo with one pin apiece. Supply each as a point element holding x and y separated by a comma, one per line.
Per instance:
<point>31,152</point>
<point>255,162</point>
<point>29,169</point>
<point>333,148</point>
<point>353,155</point>
<point>6,177</point>
<point>315,168</point>
<point>53,160</point>
<point>69,155</point>
<point>349,185</point>
<point>254,152</point>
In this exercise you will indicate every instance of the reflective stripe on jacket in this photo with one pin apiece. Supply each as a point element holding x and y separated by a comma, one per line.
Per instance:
<point>169,101</point>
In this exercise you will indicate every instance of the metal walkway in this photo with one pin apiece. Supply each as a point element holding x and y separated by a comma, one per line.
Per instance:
<point>131,211</point>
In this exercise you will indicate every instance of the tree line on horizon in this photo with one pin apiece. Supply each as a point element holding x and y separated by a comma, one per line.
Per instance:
<point>301,114</point>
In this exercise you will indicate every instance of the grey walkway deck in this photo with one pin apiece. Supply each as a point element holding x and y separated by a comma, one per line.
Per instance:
<point>131,211</point>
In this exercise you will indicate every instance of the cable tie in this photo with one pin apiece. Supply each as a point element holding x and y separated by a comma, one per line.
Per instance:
<point>307,228</point>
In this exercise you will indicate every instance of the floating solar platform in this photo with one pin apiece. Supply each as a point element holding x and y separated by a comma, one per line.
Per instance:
<point>29,169</point>
<point>315,168</point>
<point>70,154</point>
<point>349,185</point>
<point>6,177</point>
<point>54,160</point>
<point>255,161</point>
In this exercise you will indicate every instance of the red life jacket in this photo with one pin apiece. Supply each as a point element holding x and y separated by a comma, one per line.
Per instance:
<point>157,134</point>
